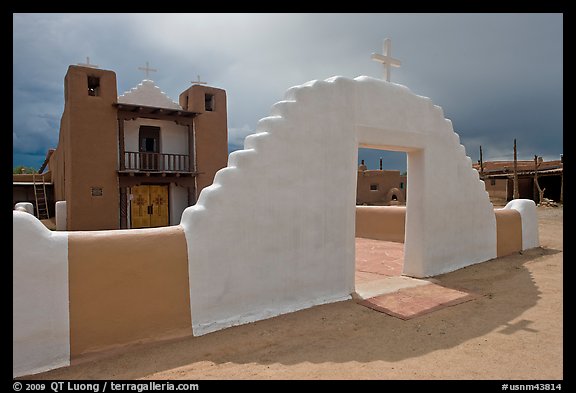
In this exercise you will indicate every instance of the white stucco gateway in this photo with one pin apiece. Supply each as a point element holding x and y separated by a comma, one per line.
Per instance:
<point>272,236</point>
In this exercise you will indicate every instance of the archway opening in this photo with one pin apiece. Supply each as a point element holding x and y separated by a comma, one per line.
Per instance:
<point>381,194</point>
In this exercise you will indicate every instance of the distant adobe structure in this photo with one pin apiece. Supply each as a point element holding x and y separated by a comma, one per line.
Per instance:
<point>380,187</point>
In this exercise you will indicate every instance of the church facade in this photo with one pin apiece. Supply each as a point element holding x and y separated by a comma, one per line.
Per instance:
<point>136,160</point>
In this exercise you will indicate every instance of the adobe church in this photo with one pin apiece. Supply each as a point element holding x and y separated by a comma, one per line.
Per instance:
<point>136,160</point>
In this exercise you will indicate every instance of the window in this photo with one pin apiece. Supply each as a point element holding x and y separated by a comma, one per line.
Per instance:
<point>149,141</point>
<point>93,86</point>
<point>373,187</point>
<point>401,185</point>
<point>209,102</point>
<point>492,182</point>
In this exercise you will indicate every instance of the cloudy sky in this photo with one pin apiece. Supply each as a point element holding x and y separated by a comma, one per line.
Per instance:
<point>496,76</point>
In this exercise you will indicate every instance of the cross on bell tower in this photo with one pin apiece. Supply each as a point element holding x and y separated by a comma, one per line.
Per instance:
<point>147,70</point>
<point>198,82</point>
<point>87,64</point>
<point>387,60</point>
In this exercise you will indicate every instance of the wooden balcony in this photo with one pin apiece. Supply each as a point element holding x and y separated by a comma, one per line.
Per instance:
<point>155,163</point>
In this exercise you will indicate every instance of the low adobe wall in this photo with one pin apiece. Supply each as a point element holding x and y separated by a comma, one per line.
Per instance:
<point>127,286</point>
<point>29,177</point>
<point>77,292</point>
<point>381,222</point>
<point>508,232</point>
<point>388,223</point>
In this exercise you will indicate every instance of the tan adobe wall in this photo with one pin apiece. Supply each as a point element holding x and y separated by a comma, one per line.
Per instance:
<point>498,189</point>
<point>508,231</point>
<point>57,161</point>
<point>127,286</point>
<point>210,129</point>
<point>388,223</point>
<point>381,222</point>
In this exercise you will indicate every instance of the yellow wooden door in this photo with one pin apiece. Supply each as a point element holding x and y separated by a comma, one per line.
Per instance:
<point>139,209</point>
<point>159,202</point>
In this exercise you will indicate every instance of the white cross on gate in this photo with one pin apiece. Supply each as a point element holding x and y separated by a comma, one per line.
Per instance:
<point>387,60</point>
<point>147,70</point>
<point>87,64</point>
<point>198,82</point>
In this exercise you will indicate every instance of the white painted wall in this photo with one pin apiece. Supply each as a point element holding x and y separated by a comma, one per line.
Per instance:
<point>270,236</point>
<point>173,138</point>
<point>146,93</point>
<point>29,207</point>
<point>40,318</point>
<point>178,202</point>
<point>61,215</point>
<point>529,218</point>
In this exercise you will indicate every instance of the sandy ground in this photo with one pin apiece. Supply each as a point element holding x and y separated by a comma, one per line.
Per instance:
<point>512,331</point>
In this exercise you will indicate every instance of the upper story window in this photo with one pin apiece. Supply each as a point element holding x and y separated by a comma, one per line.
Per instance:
<point>373,187</point>
<point>93,85</point>
<point>209,102</point>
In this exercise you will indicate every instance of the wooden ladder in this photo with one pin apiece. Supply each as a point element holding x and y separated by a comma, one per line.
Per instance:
<point>40,196</point>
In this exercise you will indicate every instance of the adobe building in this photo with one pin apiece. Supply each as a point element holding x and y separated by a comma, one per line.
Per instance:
<point>380,187</point>
<point>498,178</point>
<point>136,160</point>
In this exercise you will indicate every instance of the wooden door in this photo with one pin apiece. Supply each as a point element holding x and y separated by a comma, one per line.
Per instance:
<point>140,203</point>
<point>149,206</point>
<point>149,146</point>
<point>159,202</point>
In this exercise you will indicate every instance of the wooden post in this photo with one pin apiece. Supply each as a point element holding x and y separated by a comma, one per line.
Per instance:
<point>192,192</point>
<point>562,179</point>
<point>122,164</point>
<point>516,193</point>
<point>562,187</point>
<point>123,208</point>
<point>481,164</point>
<point>191,155</point>
<point>540,195</point>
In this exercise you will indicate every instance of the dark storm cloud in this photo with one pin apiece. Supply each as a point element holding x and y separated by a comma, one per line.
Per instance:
<point>497,76</point>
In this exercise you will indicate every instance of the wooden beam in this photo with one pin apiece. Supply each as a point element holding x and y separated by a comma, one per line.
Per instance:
<point>481,164</point>
<point>191,147</point>
<point>132,115</point>
<point>516,193</point>
<point>123,208</point>
<point>121,144</point>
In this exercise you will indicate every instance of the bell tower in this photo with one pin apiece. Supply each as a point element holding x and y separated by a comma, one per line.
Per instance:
<point>210,130</point>
<point>89,133</point>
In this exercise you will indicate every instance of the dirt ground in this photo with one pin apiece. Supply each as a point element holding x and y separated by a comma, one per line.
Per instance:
<point>513,331</point>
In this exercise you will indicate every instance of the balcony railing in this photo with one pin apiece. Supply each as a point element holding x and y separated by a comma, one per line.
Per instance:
<point>157,162</point>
